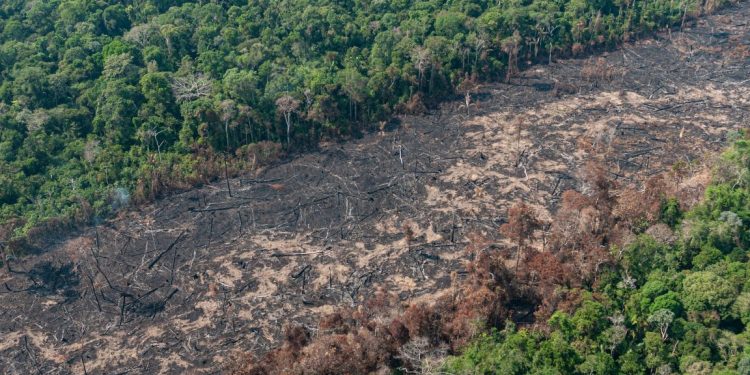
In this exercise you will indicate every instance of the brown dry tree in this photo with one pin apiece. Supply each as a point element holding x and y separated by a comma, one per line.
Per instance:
<point>522,222</point>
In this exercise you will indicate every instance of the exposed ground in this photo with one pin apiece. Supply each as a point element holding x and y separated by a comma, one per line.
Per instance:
<point>183,283</point>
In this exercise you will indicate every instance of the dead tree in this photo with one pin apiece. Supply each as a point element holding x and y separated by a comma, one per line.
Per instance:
<point>522,223</point>
<point>191,87</point>
<point>145,136</point>
<point>421,357</point>
<point>468,86</point>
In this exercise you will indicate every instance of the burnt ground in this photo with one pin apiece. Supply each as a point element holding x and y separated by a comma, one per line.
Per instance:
<point>186,282</point>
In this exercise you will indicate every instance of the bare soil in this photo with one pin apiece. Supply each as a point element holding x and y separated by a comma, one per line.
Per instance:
<point>182,284</point>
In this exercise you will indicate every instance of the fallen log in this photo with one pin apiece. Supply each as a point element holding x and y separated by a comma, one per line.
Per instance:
<point>281,255</point>
<point>158,257</point>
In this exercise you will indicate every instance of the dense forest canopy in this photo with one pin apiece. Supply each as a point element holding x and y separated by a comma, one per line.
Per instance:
<point>104,100</point>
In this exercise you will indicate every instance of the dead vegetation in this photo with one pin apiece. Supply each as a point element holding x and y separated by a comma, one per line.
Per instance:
<point>393,239</point>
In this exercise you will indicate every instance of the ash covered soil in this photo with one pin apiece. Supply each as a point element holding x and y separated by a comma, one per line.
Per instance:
<point>190,280</point>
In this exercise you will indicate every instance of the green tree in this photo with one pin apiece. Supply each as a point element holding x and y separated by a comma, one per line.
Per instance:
<point>705,291</point>
<point>115,109</point>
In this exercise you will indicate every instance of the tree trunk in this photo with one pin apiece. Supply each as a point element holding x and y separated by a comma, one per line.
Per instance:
<point>226,175</point>
<point>467,99</point>
<point>4,256</point>
<point>518,258</point>
<point>549,60</point>
<point>288,129</point>
<point>226,133</point>
<point>158,146</point>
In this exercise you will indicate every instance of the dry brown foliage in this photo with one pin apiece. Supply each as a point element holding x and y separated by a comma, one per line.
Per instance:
<point>640,209</point>
<point>522,223</point>
<point>545,274</point>
<point>374,336</point>
<point>582,226</point>
<point>598,71</point>
<point>414,106</point>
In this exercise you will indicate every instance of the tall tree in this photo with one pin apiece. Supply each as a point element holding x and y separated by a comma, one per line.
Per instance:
<point>287,105</point>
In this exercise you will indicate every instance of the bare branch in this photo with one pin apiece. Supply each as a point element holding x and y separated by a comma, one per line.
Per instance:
<point>191,87</point>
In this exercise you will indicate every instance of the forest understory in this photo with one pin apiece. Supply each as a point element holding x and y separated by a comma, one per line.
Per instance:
<point>191,280</point>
